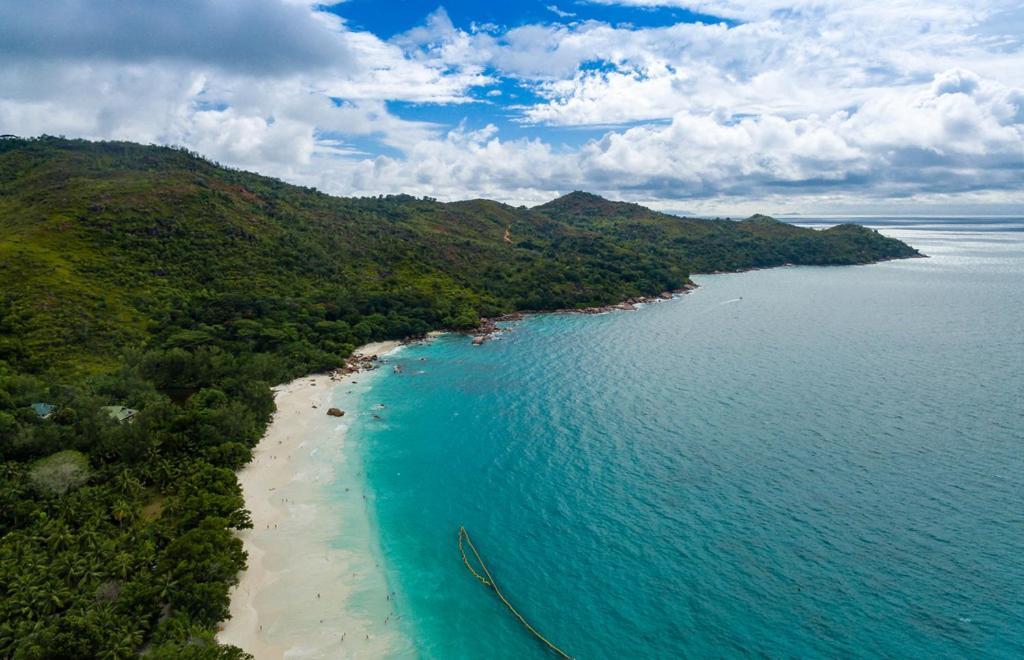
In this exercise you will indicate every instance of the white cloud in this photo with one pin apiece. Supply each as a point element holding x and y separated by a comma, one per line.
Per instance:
<point>938,139</point>
<point>409,69</point>
<point>790,66</point>
<point>561,13</point>
<point>942,12</point>
<point>258,36</point>
<point>961,142</point>
<point>264,104</point>
<point>814,102</point>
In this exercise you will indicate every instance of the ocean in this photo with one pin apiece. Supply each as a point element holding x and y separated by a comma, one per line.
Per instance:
<point>797,462</point>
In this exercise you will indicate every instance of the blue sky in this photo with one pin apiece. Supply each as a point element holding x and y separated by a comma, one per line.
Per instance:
<point>708,106</point>
<point>403,15</point>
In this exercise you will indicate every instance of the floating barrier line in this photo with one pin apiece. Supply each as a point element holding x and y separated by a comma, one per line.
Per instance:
<point>488,581</point>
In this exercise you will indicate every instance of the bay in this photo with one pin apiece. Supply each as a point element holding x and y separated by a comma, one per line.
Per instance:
<point>798,462</point>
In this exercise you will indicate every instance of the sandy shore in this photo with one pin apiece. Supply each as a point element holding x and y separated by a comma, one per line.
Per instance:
<point>294,600</point>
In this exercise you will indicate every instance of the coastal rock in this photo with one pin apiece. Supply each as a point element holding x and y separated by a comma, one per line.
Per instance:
<point>479,340</point>
<point>335,412</point>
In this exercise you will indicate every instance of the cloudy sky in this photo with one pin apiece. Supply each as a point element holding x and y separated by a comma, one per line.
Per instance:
<point>704,106</point>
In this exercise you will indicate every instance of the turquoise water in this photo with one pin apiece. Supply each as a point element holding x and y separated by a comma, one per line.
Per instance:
<point>801,462</point>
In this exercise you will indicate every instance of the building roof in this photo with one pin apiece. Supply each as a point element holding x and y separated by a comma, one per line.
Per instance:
<point>44,410</point>
<point>119,413</point>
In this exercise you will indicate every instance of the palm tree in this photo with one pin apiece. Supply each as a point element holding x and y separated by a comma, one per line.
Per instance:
<point>126,484</point>
<point>7,640</point>
<point>59,596</point>
<point>123,565</point>
<point>165,585</point>
<point>123,645</point>
<point>59,537</point>
<point>90,568</point>
<point>123,511</point>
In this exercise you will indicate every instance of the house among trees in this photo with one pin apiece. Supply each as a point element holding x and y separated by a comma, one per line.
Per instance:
<point>44,410</point>
<point>120,413</point>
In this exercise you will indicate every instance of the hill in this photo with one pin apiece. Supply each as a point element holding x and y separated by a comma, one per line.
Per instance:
<point>104,245</point>
<point>150,278</point>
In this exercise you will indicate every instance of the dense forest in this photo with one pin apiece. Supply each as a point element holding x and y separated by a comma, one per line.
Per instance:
<point>150,298</point>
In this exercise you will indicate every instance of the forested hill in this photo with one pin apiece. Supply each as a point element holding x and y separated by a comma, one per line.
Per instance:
<point>149,278</point>
<point>104,245</point>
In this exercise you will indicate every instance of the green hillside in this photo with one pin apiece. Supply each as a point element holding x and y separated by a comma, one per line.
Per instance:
<point>150,278</point>
<point>104,245</point>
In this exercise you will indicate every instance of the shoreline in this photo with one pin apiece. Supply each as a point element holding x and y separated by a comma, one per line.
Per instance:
<point>301,562</point>
<point>293,598</point>
<point>488,328</point>
<point>305,561</point>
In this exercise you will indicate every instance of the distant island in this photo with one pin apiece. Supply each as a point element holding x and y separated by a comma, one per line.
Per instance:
<point>149,299</point>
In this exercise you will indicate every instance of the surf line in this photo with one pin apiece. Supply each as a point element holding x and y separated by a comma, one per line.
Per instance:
<point>488,581</point>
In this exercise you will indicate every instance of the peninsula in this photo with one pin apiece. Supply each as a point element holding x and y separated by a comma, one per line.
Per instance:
<point>150,299</point>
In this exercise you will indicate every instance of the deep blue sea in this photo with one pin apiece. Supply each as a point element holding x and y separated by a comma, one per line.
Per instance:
<point>789,463</point>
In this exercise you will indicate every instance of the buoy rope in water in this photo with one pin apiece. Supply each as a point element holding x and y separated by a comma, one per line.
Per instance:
<point>488,581</point>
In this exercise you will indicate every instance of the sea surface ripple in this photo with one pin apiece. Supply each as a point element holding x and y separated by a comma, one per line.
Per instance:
<point>799,462</point>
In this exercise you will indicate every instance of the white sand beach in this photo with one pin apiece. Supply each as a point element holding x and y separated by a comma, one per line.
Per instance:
<point>295,598</point>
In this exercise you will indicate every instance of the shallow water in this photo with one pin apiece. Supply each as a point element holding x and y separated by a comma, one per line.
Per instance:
<point>800,462</point>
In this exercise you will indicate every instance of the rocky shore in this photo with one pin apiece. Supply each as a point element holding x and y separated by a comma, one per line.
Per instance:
<point>356,363</point>
<point>489,328</point>
<point>372,356</point>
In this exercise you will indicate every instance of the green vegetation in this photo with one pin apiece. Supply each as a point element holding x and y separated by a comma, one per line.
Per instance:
<point>149,278</point>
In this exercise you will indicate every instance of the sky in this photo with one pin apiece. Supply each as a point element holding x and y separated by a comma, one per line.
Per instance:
<point>711,107</point>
